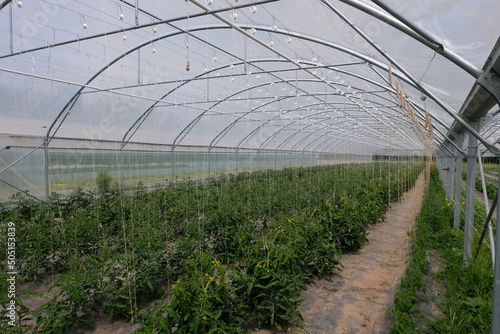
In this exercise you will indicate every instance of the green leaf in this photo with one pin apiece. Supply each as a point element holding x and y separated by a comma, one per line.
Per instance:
<point>474,302</point>
<point>299,316</point>
<point>170,310</point>
<point>218,314</point>
<point>271,284</point>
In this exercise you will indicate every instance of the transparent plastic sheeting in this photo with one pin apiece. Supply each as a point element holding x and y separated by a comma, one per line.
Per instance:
<point>78,168</point>
<point>287,77</point>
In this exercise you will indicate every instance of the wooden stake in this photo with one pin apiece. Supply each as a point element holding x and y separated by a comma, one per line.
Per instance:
<point>390,76</point>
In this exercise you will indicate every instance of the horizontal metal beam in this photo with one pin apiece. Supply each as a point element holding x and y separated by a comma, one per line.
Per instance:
<point>136,27</point>
<point>479,100</point>
<point>4,3</point>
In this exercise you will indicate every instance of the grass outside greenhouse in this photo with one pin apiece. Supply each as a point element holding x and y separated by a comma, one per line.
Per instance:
<point>466,298</point>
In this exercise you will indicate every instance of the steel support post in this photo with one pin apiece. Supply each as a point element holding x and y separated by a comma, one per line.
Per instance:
<point>469,194</point>
<point>121,169</point>
<point>172,172</point>
<point>237,161</point>
<point>495,319</point>
<point>209,165</point>
<point>46,162</point>
<point>445,170</point>
<point>491,82</point>
<point>451,174</point>
<point>440,164</point>
<point>276,160</point>
<point>459,141</point>
<point>486,205</point>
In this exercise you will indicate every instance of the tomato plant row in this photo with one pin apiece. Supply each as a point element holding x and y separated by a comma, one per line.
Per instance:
<point>232,251</point>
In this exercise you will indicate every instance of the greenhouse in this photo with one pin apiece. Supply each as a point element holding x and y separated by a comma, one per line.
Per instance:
<point>199,166</point>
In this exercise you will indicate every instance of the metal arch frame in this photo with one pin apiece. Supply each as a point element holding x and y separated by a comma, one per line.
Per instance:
<point>418,108</point>
<point>149,109</point>
<point>263,144</point>
<point>303,139</point>
<point>414,83</point>
<point>326,140</point>
<point>243,115</point>
<point>337,140</point>
<point>341,145</point>
<point>256,129</point>
<point>145,114</point>
<point>358,55</point>
<point>314,141</point>
<point>230,126</point>
<point>311,143</point>
<point>328,145</point>
<point>345,146</point>
<point>75,96</point>
<point>350,140</point>
<point>286,126</point>
<point>311,39</point>
<point>193,123</point>
<point>336,67</point>
<point>314,40</point>
<point>135,27</point>
<point>285,141</point>
<point>268,139</point>
<point>298,131</point>
<point>224,132</point>
<point>407,31</point>
<point>328,137</point>
<point>247,137</point>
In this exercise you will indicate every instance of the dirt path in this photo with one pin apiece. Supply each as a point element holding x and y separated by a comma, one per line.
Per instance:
<point>356,299</point>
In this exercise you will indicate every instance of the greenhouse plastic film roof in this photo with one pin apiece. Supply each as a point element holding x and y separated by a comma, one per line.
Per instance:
<point>302,76</point>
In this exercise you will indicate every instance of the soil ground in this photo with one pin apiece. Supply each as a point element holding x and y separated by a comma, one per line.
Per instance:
<point>356,299</point>
<point>353,300</point>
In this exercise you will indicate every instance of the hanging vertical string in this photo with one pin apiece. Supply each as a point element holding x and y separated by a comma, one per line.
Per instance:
<point>188,64</point>
<point>390,136</point>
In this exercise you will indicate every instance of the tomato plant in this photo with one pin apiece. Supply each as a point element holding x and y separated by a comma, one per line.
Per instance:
<point>259,236</point>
